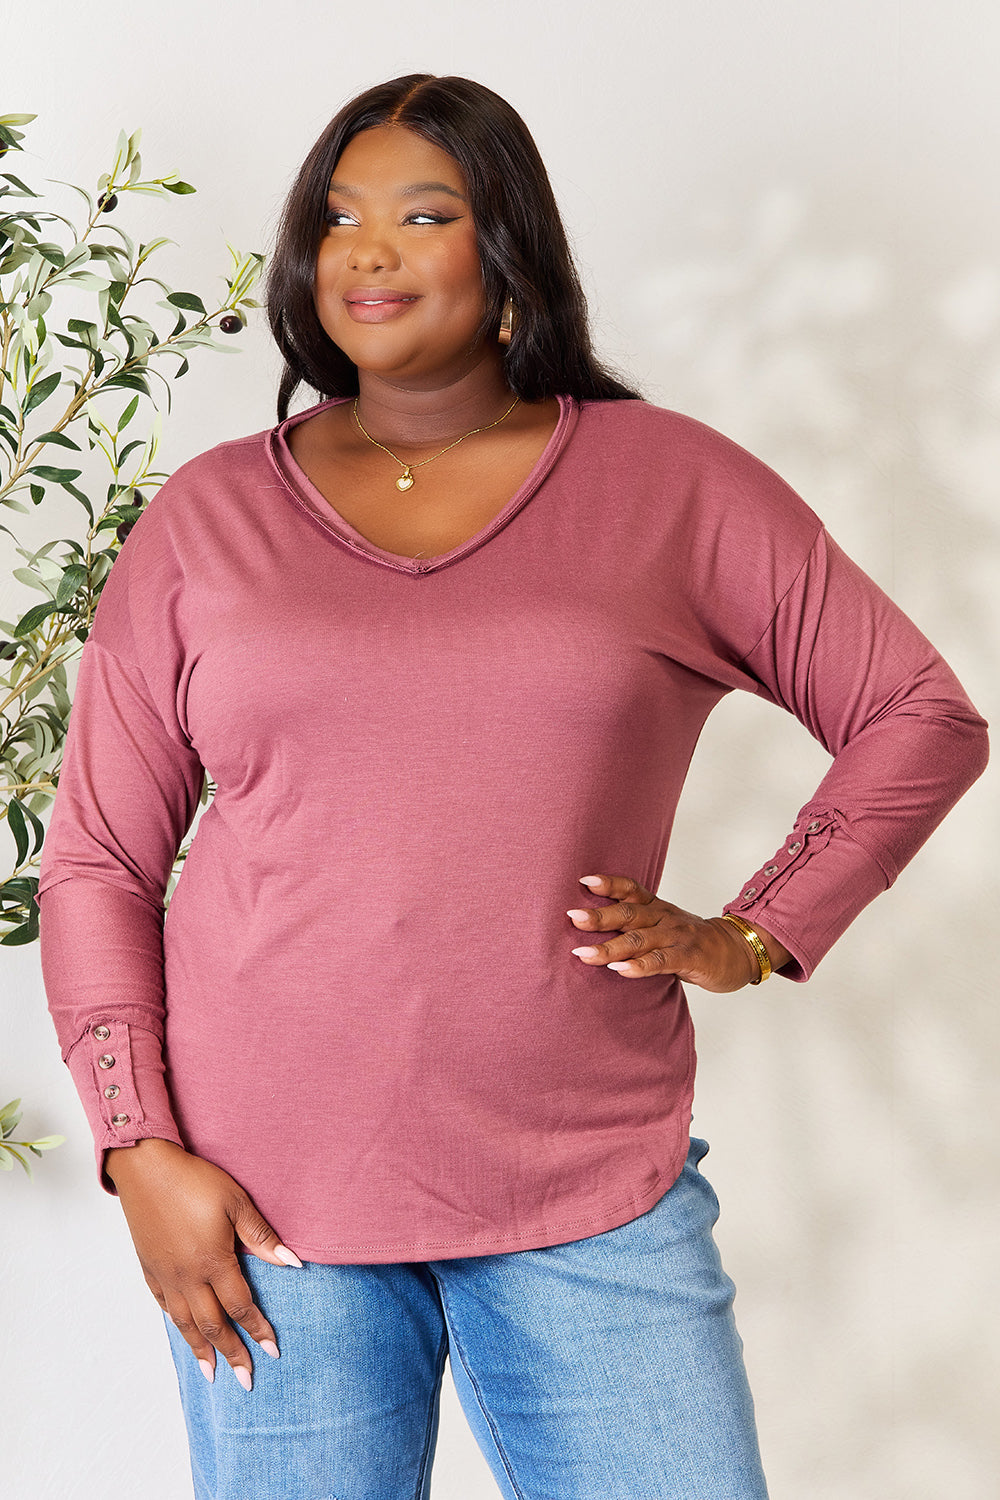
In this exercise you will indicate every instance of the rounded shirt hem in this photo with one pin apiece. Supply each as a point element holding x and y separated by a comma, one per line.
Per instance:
<point>388,1252</point>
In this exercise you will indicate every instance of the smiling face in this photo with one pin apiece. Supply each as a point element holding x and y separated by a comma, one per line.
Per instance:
<point>398,283</point>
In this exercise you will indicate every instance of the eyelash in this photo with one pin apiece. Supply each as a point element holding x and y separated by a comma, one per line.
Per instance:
<point>332,214</point>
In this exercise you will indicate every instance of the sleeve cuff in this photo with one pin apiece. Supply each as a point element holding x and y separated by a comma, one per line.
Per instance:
<point>118,1072</point>
<point>809,893</point>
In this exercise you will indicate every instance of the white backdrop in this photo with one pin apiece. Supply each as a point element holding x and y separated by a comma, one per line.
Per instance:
<point>788,223</point>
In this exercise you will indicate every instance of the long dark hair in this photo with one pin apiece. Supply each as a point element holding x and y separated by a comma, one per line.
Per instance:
<point>522,243</point>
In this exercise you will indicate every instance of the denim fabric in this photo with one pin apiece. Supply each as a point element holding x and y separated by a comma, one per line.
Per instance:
<point>605,1369</point>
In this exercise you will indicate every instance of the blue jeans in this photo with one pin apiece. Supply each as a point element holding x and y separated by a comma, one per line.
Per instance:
<point>605,1369</point>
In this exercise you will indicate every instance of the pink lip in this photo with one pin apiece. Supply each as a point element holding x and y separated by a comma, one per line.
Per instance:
<point>377,304</point>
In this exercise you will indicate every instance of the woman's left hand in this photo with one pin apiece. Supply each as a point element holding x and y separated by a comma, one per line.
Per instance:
<point>657,938</point>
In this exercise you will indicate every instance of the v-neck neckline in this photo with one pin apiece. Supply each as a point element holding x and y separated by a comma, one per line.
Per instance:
<point>305,494</point>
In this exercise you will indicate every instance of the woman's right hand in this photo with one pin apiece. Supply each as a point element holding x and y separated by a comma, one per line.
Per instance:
<point>184,1215</point>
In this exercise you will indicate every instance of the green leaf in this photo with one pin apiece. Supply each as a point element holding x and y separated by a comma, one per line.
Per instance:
<point>16,258</point>
<point>17,119</point>
<point>37,493</point>
<point>20,888</point>
<point>48,1142</point>
<point>26,576</point>
<point>9,177</point>
<point>84,500</point>
<point>19,937</point>
<point>39,831</point>
<point>71,343</point>
<point>57,437</point>
<point>71,582</point>
<point>37,308</point>
<point>188,300</point>
<point>41,390</point>
<point>110,254</point>
<point>54,476</point>
<point>55,254</point>
<point>145,251</point>
<point>15,817</point>
<point>127,415</point>
<point>31,621</point>
<point>9,1116</point>
<point>179,187</point>
<point>6,1161</point>
<point>127,380</point>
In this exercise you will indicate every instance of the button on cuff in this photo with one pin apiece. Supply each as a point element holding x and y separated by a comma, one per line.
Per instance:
<point>114,1086</point>
<point>804,841</point>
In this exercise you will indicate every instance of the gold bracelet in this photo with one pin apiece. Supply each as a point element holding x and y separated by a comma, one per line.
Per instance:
<point>753,938</point>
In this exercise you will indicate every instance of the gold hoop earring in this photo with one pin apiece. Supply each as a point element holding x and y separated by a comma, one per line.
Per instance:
<point>507,319</point>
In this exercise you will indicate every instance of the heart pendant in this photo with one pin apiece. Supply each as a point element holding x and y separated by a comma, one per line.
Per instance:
<point>405,480</point>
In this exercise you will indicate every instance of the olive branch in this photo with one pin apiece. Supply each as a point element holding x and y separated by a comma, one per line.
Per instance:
<point>78,358</point>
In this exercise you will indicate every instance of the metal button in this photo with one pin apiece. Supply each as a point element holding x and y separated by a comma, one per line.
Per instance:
<point>107,1061</point>
<point>112,1091</point>
<point>812,827</point>
<point>102,1033</point>
<point>119,1119</point>
<point>770,869</point>
<point>794,848</point>
<point>751,890</point>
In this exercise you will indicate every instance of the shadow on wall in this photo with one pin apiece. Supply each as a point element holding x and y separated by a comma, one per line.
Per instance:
<point>867,1220</point>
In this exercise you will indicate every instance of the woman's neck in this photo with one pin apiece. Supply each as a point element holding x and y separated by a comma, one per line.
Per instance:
<point>412,415</point>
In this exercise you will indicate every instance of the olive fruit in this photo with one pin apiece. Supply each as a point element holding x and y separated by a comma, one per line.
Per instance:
<point>230,323</point>
<point>106,203</point>
<point>122,531</point>
<point>7,650</point>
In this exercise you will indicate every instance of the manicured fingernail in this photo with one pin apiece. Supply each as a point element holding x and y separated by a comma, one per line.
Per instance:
<point>618,968</point>
<point>207,1370</point>
<point>243,1376</point>
<point>287,1256</point>
<point>586,952</point>
<point>269,1347</point>
<point>578,916</point>
<point>591,880</point>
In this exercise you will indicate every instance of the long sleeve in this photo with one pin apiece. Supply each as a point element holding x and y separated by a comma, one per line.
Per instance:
<point>906,742</point>
<point>128,791</point>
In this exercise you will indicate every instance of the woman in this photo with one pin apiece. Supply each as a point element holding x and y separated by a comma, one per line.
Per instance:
<point>377,1093</point>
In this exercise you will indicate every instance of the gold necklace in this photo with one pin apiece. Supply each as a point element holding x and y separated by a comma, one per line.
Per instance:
<point>406,480</point>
